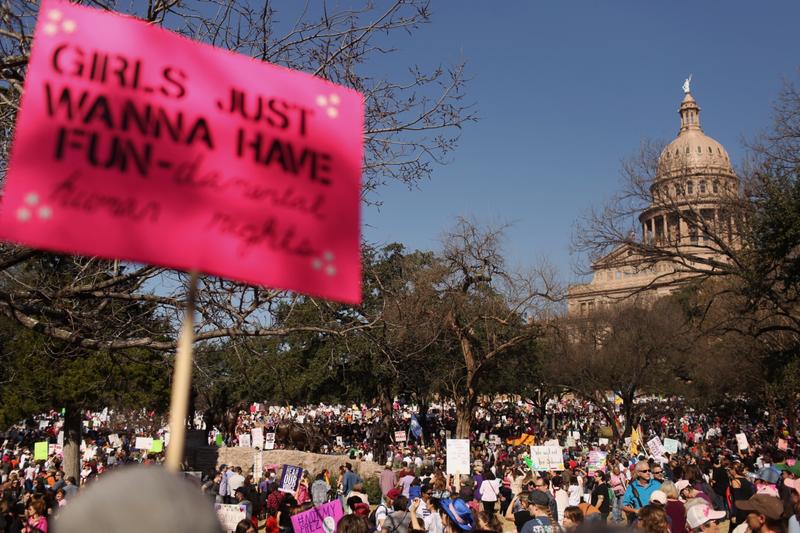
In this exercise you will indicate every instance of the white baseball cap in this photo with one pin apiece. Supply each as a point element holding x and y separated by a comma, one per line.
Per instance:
<point>697,515</point>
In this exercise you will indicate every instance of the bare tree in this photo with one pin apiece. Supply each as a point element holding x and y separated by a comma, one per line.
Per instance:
<point>412,122</point>
<point>489,310</point>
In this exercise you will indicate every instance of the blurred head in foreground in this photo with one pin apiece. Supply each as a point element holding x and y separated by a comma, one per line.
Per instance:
<point>139,499</point>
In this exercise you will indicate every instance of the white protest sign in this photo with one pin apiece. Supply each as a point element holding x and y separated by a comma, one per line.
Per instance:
<point>143,443</point>
<point>602,441</point>
<point>257,437</point>
<point>43,424</point>
<point>553,442</point>
<point>269,441</point>
<point>230,515</point>
<point>399,436</point>
<point>339,440</point>
<point>546,458</point>
<point>741,441</point>
<point>244,440</point>
<point>458,456</point>
<point>671,446</point>
<point>60,438</point>
<point>655,447</point>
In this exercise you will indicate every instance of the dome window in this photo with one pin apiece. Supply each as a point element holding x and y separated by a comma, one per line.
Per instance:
<point>702,187</point>
<point>699,150</point>
<point>710,151</point>
<point>689,187</point>
<point>687,149</point>
<point>715,187</point>
<point>720,153</point>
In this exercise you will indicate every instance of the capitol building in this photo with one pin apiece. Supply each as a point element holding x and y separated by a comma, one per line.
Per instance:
<point>683,228</point>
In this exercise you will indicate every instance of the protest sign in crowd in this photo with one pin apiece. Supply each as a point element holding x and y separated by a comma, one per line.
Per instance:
<point>680,469</point>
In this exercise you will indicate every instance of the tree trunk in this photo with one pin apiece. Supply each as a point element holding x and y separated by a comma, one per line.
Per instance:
<point>465,406</point>
<point>463,421</point>
<point>72,443</point>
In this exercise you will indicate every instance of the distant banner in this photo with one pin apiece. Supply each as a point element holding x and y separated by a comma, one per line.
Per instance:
<point>458,456</point>
<point>671,446</point>
<point>546,458</point>
<point>290,479</point>
<point>597,461</point>
<point>143,443</point>
<point>257,438</point>
<point>741,441</point>
<point>522,440</point>
<point>230,515</point>
<point>655,447</point>
<point>319,519</point>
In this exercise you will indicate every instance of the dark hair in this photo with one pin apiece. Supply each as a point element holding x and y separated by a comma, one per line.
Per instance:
<point>489,475</point>
<point>574,513</point>
<point>352,500</point>
<point>244,526</point>
<point>352,523</point>
<point>400,503</point>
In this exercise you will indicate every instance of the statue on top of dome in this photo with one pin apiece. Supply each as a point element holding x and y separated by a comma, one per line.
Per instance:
<point>686,83</point>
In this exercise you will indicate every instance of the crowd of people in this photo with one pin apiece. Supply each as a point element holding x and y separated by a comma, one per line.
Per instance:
<point>712,478</point>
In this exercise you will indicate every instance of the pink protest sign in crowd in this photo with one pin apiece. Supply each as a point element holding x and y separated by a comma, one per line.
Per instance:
<point>599,480</point>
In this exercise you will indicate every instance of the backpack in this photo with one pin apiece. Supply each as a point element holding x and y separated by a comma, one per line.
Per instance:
<point>373,517</point>
<point>396,526</point>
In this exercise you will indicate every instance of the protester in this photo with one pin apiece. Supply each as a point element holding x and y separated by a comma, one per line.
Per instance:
<point>352,524</point>
<point>542,519</point>
<point>764,514</point>
<point>652,519</point>
<point>701,518</point>
<point>399,519</point>
<point>637,495</point>
<point>573,519</point>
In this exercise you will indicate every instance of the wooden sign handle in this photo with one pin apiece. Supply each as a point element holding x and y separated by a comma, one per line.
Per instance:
<point>182,382</point>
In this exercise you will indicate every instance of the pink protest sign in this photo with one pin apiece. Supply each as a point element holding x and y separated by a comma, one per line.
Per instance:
<point>136,143</point>
<point>320,519</point>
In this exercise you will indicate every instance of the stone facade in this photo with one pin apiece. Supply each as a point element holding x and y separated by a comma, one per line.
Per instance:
<point>693,184</point>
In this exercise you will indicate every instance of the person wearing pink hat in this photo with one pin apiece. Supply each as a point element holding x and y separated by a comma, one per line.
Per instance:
<point>701,518</point>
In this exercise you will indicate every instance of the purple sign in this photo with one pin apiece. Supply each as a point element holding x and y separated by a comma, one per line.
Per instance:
<point>290,479</point>
<point>322,519</point>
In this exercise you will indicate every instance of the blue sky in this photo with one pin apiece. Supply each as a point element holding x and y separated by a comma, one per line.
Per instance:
<point>565,90</point>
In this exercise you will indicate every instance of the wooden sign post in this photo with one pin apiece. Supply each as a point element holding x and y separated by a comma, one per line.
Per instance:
<point>182,382</point>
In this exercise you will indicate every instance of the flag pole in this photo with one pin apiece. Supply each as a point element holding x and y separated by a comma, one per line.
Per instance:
<point>182,382</point>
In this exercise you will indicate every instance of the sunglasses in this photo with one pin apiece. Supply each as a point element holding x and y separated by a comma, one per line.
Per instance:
<point>644,471</point>
<point>656,472</point>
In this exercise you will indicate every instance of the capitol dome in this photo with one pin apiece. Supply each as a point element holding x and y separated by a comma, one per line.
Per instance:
<point>692,152</point>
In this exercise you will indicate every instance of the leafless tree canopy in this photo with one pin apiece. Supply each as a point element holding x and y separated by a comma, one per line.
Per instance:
<point>412,122</point>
